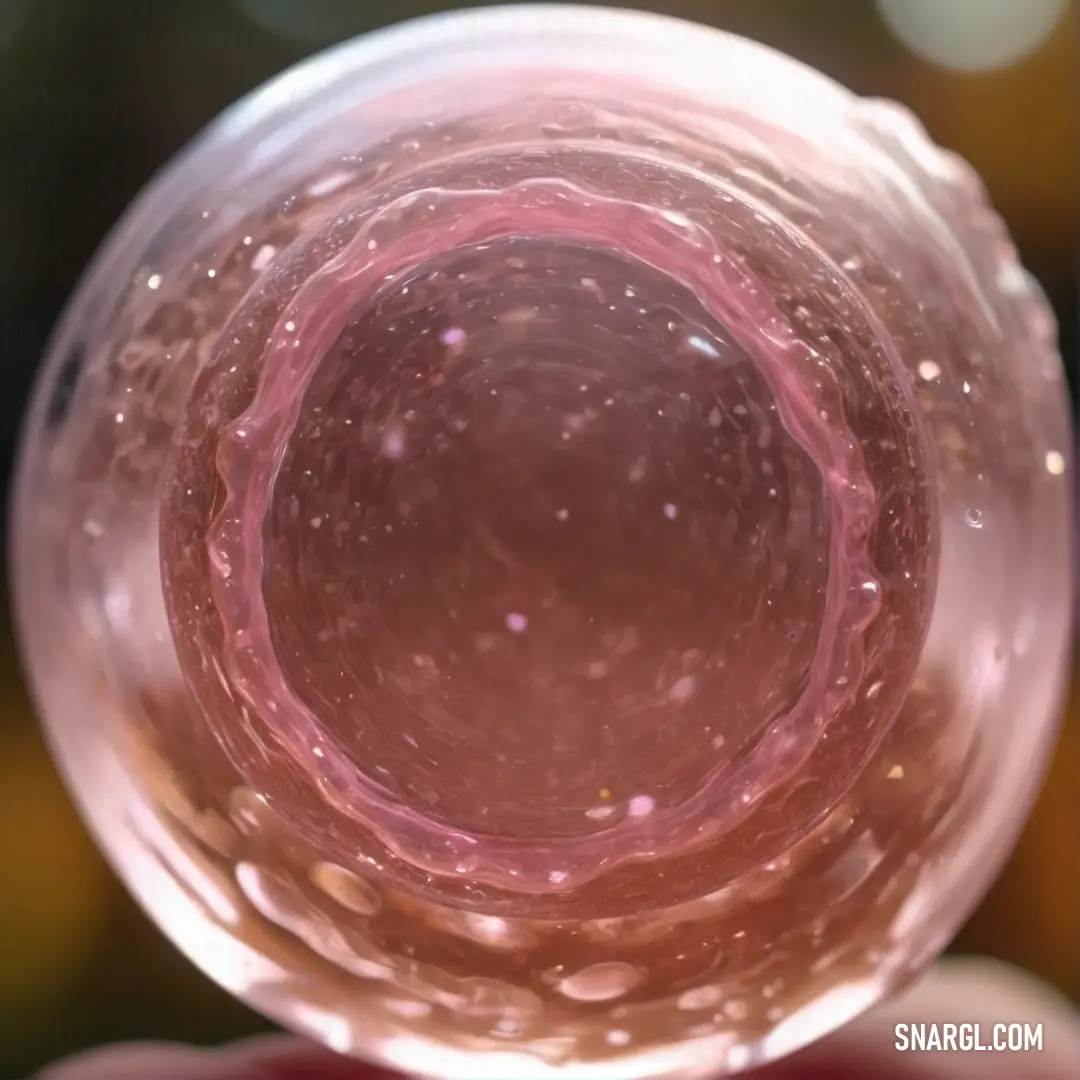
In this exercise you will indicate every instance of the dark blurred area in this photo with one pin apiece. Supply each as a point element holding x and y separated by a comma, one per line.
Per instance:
<point>94,97</point>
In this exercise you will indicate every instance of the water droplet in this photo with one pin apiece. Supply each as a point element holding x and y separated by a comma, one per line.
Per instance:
<point>489,930</point>
<point>248,810</point>
<point>600,982</point>
<point>263,258</point>
<point>348,889</point>
<point>974,518</point>
<point>736,1010</point>
<point>408,1008</point>
<point>394,441</point>
<point>699,344</point>
<point>700,997</point>
<point>682,689</point>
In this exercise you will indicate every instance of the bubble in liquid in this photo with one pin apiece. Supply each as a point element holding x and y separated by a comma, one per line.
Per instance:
<point>502,533</point>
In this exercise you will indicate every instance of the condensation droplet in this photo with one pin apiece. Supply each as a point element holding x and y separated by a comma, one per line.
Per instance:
<point>1055,463</point>
<point>408,1008</point>
<point>700,997</point>
<point>248,810</point>
<point>347,888</point>
<point>736,1009</point>
<point>601,982</point>
<point>263,257</point>
<point>505,935</point>
<point>394,441</point>
<point>682,689</point>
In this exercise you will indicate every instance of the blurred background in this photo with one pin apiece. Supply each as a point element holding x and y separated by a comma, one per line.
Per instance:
<point>94,97</point>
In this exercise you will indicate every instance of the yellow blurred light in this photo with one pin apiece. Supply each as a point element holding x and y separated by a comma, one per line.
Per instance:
<point>972,35</point>
<point>1018,127</point>
<point>55,888</point>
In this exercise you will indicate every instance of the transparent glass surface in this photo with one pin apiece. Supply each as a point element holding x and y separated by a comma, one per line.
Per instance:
<point>542,547</point>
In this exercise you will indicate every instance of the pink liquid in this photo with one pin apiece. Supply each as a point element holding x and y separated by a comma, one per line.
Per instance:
<point>538,480</point>
<point>577,526</point>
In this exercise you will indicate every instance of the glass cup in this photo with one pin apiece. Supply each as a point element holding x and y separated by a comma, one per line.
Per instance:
<point>542,548</point>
